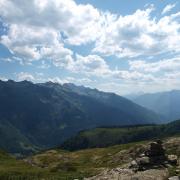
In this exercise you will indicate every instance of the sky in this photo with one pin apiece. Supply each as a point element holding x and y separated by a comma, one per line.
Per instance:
<point>113,45</point>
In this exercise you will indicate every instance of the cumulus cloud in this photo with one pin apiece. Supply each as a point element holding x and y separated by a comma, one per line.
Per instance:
<point>77,22</point>
<point>25,76</point>
<point>39,25</point>
<point>91,64</point>
<point>3,78</point>
<point>80,81</point>
<point>38,29</point>
<point>172,64</point>
<point>34,43</point>
<point>140,34</point>
<point>132,76</point>
<point>34,77</point>
<point>168,8</point>
<point>58,80</point>
<point>94,65</point>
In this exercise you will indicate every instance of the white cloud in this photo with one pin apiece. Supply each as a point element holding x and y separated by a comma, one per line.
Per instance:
<point>38,29</point>
<point>79,23</point>
<point>168,8</point>
<point>46,25</point>
<point>91,64</point>
<point>3,78</point>
<point>34,43</point>
<point>70,80</point>
<point>132,76</point>
<point>35,77</point>
<point>60,56</point>
<point>58,80</point>
<point>172,64</point>
<point>7,59</point>
<point>139,34</point>
<point>25,76</point>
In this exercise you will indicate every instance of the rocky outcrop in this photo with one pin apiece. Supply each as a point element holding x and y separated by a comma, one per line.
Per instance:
<point>151,164</point>
<point>154,157</point>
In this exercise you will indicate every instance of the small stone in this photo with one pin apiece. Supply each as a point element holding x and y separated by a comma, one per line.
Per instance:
<point>142,155</point>
<point>134,163</point>
<point>143,160</point>
<point>168,166</point>
<point>177,171</point>
<point>134,166</point>
<point>172,159</point>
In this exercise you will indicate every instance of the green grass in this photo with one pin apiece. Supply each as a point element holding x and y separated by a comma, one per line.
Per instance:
<point>64,165</point>
<point>104,137</point>
<point>58,164</point>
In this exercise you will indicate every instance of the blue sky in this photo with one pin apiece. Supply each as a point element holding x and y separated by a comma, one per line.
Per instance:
<point>118,46</point>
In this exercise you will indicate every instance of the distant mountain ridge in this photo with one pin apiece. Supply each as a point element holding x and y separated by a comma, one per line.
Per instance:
<point>164,103</point>
<point>43,115</point>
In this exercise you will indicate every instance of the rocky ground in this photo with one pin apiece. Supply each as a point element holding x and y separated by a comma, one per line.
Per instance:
<point>135,161</point>
<point>128,174</point>
<point>153,163</point>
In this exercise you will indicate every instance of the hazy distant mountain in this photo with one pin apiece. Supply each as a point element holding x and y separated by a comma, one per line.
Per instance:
<point>165,103</point>
<point>43,115</point>
<point>132,96</point>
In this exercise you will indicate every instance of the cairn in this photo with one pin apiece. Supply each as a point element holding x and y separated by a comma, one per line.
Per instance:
<point>156,152</point>
<point>153,157</point>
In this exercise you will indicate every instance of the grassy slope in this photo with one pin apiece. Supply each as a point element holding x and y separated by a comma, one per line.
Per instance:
<point>104,137</point>
<point>58,164</point>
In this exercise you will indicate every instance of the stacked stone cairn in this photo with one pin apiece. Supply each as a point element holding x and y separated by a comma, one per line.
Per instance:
<point>153,157</point>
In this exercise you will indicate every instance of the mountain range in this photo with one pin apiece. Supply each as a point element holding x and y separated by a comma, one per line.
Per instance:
<point>43,115</point>
<point>165,103</point>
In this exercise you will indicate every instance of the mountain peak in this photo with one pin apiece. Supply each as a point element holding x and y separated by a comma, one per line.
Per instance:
<point>46,114</point>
